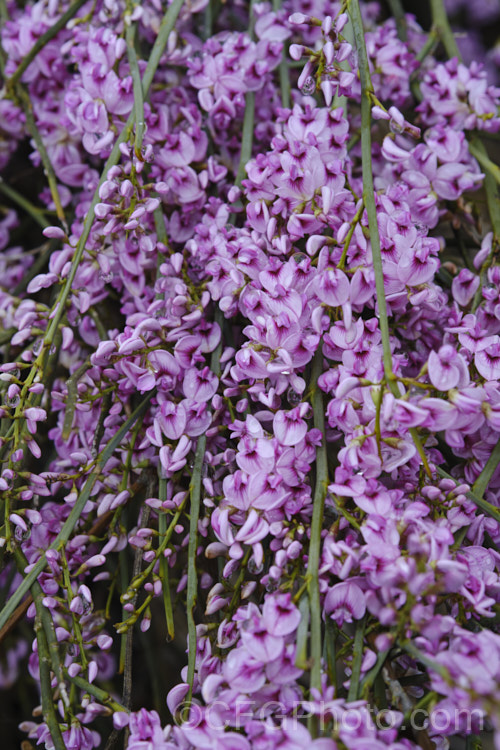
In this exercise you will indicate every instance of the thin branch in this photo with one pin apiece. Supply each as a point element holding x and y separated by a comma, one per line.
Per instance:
<point>246,136</point>
<point>76,511</point>
<point>481,484</point>
<point>399,16</point>
<point>194,515</point>
<point>477,150</point>
<point>164,569</point>
<point>33,211</point>
<point>101,695</point>
<point>192,581</point>
<point>302,633</point>
<point>491,183</point>
<point>314,553</point>
<point>17,616</point>
<point>25,102</point>
<point>369,201</point>
<point>372,675</point>
<point>356,661</point>
<point>442,25</point>
<point>138,94</point>
<point>48,707</point>
<point>48,656</point>
<point>129,635</point>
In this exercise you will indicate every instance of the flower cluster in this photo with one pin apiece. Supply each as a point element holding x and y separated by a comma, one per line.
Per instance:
<point>250,331</point>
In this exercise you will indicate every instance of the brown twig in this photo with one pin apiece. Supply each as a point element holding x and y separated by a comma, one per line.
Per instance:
<point>16,617</point>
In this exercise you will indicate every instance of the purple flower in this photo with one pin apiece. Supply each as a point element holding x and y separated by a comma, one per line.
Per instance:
<point>200,385</point>
<point>333,287</point>
<point>289,427</point>
<point>244,672</point>
<point>259,643</point>
<point>146,731</point>
<point>280,615</point>
<point>487,360</point>
<point>345,602</point>
<point>172,419</point>
<point>447,369</point>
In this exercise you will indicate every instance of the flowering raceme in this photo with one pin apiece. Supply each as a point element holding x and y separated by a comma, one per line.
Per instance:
<point>250,331</point>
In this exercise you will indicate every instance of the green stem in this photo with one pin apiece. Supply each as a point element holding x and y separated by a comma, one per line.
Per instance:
<point>247,136</point>
<point>132,617</point>
<point>320,491</point>
<point>75,621</point>
<point>427,699</point>
<point>398,13</point>
<point>480,485</point>
<point>491,182</point>
<point>355,221</point>
<point>47,624</point>
<point>138,95</point>
<point>4,13</point>
<point>236,597</point>
<point>285,87</point>
<point>369,201</point>
<point>329,655</point>
<point>71,398</point>
<point>73,518</point>
<point>208,21</point>
<point>283,68</point>
<point>478,151</point>
<point>356,661</point>
<point>35,212</point>
<point>372,675</point>
<point>48,656</point>
<point>26,105</point>
<point>164,569</point>
<point>411,649</point>
<point>302,633</point>
<point>135,584</point>
<point>43,40</point>
<point>48,707</point>
<point>473,742</point>
<point>442,25</point>
<point>122,561</point>
<point>368,191</point>
<point>101,695</point>
<point>166,27</point>
<point>426,49</point>
<point>192,581</point>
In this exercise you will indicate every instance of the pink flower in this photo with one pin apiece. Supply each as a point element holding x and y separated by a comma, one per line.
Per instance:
<point>255,455</point>
<point>464,286</point>
<point>332,287</point>
<point>447,369</point>
<point>146,731</point>
<point>243,672</point>
<point>259,642</point>
<point>172,419</point>
<point>345,602</point>
<point>280,615</point>
<point>289,427</point>
<point>200,385</point>
<point>487,360</point>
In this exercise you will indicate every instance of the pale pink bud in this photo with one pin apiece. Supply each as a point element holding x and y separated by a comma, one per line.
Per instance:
<point>55,233</point>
